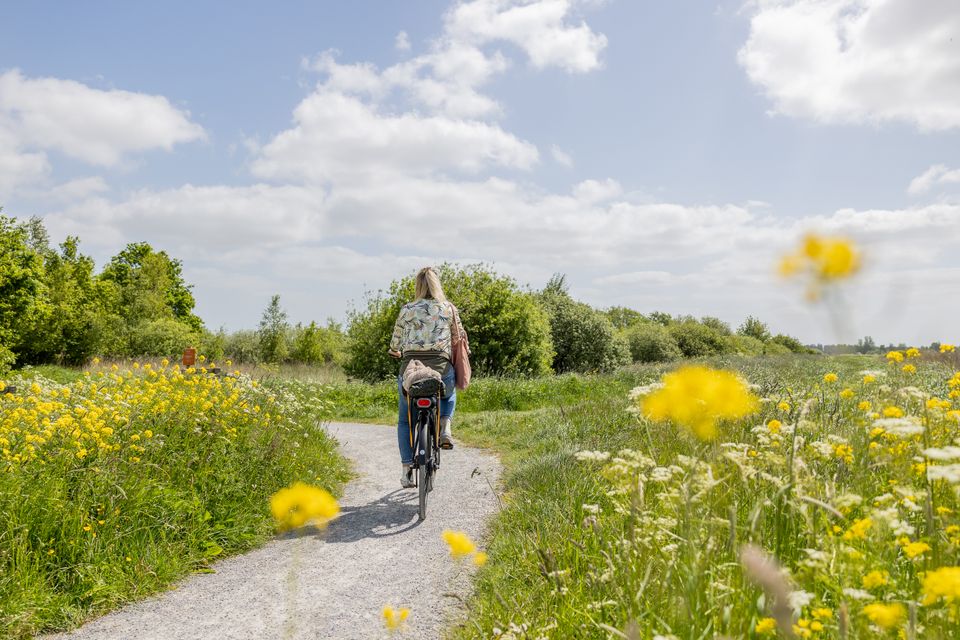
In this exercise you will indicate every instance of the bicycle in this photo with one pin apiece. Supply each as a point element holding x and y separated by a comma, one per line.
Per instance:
<point>425,435</point>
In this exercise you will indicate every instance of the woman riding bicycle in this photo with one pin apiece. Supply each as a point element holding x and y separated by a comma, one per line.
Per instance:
<point>424,332</point>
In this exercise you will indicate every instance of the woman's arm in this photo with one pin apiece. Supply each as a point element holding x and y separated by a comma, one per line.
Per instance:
<point>395,348</point>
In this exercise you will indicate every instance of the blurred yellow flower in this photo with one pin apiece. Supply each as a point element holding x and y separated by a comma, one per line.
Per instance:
<point>886,616</point>
<point>913,352</point>
<point>766,626</point>
<point>846,394</point>
<point>774,426</point>
<point>300,503</point>
<point>909,368</point>
<point>895,356</point>
<point>783,405</point>
<point>830,377</point>
<point>868,378</point>
<point>947,348</point>
<point>697,397</point>
<point>394,618</point>
<point>892,412</point>
<point>875,578</point>
<point>914,549</point>
<point>460,543</point>
<point>941,583</point>
<point>858,530</point>
<point>864,405</point>
<point>480,558</point>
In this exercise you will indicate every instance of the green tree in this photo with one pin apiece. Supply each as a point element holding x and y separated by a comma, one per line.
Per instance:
<point>150,285</point>
<point>624,318</point>
<point>272,333</point>
<point>754,328</point>
<point>21,287</point>
<point>791,343</point>
<point>313,344</point>
<point>717,325</point>
<point>509,332</point>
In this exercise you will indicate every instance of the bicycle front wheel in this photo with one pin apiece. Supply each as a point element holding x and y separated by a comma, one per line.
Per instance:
<point>423,472</point>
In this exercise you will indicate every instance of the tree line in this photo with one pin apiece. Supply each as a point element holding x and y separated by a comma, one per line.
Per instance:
<point>56,308</point>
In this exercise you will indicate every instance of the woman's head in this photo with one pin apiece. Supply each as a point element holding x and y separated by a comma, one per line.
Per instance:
<point>427,285</point>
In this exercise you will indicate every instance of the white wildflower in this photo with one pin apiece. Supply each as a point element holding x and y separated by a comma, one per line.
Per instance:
<point>948,472</point>
<point>945,453</point>
<point>858,594</point>
<point>592,456</point>
<point>900,427</point>
<point>799,599</point>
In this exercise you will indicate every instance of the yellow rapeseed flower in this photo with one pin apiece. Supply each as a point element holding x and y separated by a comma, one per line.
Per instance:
<point>301,503</point>
<point>394,618</point>
<point>766,626</point>
<point>697,397</point>
<point>886,616</point>
<point>941,583</point>
<point>460,543</point>
<point>875,578</point>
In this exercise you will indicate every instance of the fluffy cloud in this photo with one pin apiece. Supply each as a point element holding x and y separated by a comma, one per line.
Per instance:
<point>937,174</point>
<point>92,125</point>
<point>860,61</point>
<point>339,138</point>
<point>539,27</point>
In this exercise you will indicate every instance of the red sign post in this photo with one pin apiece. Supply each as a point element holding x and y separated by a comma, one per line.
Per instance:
<point>189,357</point>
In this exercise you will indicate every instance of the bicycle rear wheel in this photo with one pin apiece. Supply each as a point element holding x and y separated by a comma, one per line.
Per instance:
<point>423,472</point>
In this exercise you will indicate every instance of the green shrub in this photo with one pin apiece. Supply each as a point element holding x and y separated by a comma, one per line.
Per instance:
<point>509,332</point>
<point>163,337</point>
<point>318,345</point>
<point>584,338</point>
<point>697,340</point>
<point>791,343</point>
<point>717,325</point>
<point>775,349</point>
<point>745,345</point>
<point>754,328</point>
<point>242,347</point>
<point>652,343</point>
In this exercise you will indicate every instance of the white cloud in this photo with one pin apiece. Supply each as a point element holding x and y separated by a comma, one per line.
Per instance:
<point>339,138</point>
<point>937,174</point>
<point>858,61</point>
<point>593,191</point>
<point>402,42</point>
<point>95,126</point>
<point>539,27</point>
<point>560,156</point>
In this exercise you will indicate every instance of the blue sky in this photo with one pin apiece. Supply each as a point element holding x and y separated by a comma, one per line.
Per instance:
<point>662,154</point>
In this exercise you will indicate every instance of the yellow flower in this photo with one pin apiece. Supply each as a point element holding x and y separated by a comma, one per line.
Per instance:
<point>892,412</point>
<point>766,626</point>
<point>947,348</point>
<point>941,583</point>
<point>783,405</point>
<point>774,426</point>
<point>868,378</point>
<point>886,616</point>
<point>843,452</point>
<point>301,503</point>
<point>895,356</point>
<point>822,613</point>
<point>858,530</point>
<point>875,579</point>
<point>827,258</point>
<point>914,549</point>
<point>480,558</point>
<point>696,397</point>
<point>864,405</point>
<point>846,394</point>
<point>913,352</point>
<point>830,377</point>
<point>393,618</point>
<point>909,368</point>
<point>460,543</point>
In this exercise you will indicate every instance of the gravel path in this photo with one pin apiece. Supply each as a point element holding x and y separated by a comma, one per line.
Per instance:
<point>334,584</point>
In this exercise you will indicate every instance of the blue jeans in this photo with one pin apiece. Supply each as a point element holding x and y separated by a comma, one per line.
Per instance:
<point>447,405</point>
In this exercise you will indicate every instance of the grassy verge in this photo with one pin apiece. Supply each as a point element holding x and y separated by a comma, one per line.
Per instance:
<point>647,533</point>
<point>116,483</point>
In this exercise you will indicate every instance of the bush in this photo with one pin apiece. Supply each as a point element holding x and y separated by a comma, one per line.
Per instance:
<point>509,332</point>
<point>745,345</point>
<point>163,337</point>
<point>242,347</point>
<point>697,340</point>
<point>754,328</point>
<point>318,345</point>
<point>652,343</point>
<point>790,343</point>
<point>584,338</point>
<point>717,325</point>
<point>775,349</point>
